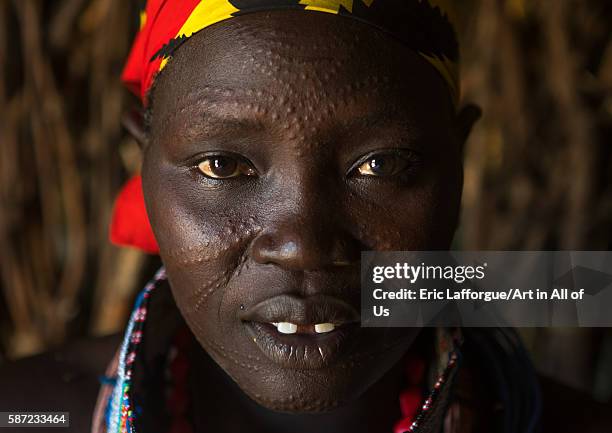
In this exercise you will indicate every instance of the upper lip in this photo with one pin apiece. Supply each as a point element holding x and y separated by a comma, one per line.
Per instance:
<point>301,311</point>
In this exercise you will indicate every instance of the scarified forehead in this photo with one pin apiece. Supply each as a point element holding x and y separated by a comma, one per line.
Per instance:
<point>276,48</point>
<point>266,58</point>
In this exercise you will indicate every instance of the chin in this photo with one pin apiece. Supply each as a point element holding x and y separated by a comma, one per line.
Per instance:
<point>282,387</point>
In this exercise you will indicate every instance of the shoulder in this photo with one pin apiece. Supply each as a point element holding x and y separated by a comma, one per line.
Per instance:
<point>566,410</point>
<point>66,379</point>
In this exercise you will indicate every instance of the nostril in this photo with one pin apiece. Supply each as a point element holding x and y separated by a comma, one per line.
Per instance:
<point>262,249</point>
<point>288,250</point>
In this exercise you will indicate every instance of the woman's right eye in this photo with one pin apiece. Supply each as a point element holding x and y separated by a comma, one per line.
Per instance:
<point>225,167</point>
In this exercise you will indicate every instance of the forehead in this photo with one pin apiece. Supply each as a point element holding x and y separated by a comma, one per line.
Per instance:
<point>300,58</point>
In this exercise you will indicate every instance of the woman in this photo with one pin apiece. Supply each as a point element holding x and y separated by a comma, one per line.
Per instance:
<point>282,141</point>
<point>282,138</point>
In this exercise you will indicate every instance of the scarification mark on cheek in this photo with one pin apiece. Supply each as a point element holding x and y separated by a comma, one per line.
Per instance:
<point>238,358</point>
<point>207,288</point>
<point>230,237</point>
<point>223,258</point>
<point>226,255</point>
<point>204,291</point>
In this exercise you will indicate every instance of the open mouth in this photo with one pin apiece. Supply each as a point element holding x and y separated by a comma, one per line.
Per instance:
<point>302,333</point>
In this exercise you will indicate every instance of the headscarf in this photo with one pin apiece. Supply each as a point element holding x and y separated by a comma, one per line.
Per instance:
<point>422,25</point>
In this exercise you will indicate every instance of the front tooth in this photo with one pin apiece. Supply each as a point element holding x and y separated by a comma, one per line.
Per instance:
<point>287,328</point>
<point>320,328</point>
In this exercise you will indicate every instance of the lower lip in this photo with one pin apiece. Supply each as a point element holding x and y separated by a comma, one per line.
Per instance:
<point>302,351</point>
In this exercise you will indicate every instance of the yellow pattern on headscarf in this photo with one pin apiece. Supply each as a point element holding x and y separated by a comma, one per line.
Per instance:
<point>327,6</point>
<point>206,13</point>
<point>332,6</point>
<point>143,19</point>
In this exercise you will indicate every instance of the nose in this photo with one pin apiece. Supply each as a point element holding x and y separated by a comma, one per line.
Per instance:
<point>308,243</point>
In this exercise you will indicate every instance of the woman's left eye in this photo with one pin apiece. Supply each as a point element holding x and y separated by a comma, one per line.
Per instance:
<point>225,167</point>
<point>383,165</point>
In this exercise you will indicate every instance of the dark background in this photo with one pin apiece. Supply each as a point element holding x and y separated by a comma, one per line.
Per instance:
<point>538,166</point>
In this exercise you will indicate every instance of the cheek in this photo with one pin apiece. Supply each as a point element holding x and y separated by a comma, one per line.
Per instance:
<point>418,218</point>
<point>202,249</point>
<point>201,262</point>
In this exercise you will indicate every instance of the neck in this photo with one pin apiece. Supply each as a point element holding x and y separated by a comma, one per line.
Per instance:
<point>218,400</point>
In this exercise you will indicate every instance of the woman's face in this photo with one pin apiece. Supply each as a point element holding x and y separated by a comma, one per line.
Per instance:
<point>281,146</point>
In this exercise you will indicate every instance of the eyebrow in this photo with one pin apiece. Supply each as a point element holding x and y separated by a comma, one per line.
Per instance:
<point>234,121</point>
<point>214,122</point>
<point>370,119</point>
<point>214,118</point>
<point>387,117</point>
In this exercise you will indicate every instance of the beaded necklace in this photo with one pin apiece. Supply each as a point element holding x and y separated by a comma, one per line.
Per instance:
<point>418,415</point>
<point>121,414</point>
